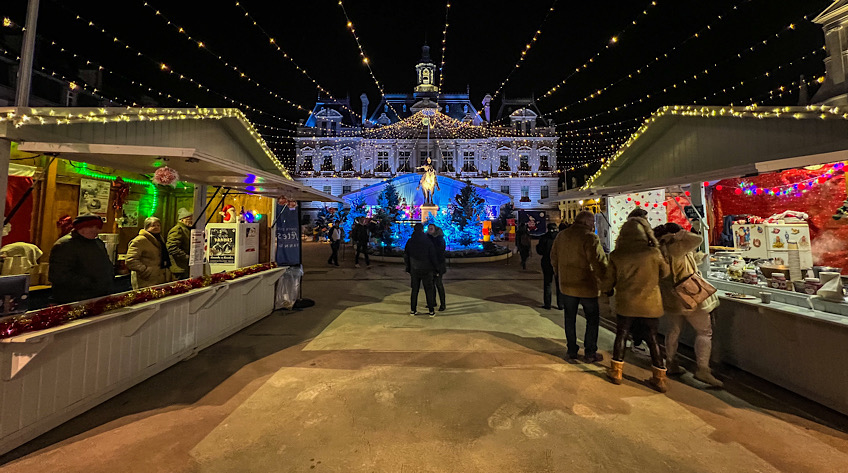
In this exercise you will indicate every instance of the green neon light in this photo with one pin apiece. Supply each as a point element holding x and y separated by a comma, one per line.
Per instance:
<point>151,188</point>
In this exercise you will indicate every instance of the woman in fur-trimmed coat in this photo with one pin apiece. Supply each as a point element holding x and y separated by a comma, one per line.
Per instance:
<point>636,268</point>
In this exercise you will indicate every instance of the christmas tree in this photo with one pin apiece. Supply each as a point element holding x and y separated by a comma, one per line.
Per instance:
<point>358,208</point>
<point>468,215</point>
<point>387,213</point>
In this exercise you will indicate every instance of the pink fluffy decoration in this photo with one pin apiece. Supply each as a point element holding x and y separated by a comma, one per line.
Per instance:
<point>166,176</point>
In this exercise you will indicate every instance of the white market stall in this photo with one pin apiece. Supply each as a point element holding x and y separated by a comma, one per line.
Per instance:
<point>51,375</point>
<point>797,340</point>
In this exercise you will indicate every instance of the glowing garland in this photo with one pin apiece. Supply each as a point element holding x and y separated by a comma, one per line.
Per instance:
<point>65,116</point>
<point>444,46</point>
<point>788,190</point>
<point>809,112</point>
<point>151,188</point>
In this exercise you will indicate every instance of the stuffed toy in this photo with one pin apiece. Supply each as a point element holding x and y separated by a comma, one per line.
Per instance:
<point>229,214</point>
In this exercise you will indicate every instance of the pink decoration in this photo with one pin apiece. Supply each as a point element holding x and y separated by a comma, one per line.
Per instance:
<point>166,176</point>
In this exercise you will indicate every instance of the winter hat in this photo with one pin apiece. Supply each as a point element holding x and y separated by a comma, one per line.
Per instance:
<point>84,221</point>
<point>183,213</point>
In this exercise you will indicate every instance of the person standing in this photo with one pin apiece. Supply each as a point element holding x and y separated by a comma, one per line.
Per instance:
<point>360,236</point>
<point>522,239</point>
<point>179,243</point>
<point>422,266</point>
<point>580,263</point>
<point>438,237</point>
<point>335,234</point>
<point>543,248</point>
<point>80,268</point>
<point>679,247</point>
<point>148,257</point>
<point>636,267</point>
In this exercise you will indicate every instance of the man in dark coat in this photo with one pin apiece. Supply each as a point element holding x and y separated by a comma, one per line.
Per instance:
<point>80,268</point>
<point>360,237</point>
<point>179,244</point>
<point>420,258</point>
<point>438,237</point>
<point>543,248</point>
<point>523,242</point>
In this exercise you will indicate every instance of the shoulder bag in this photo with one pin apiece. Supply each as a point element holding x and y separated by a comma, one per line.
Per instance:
<point>693,290</point>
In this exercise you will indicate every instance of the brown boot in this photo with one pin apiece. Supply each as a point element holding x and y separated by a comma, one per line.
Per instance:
<point>616,371</point>
<point>658,381</point>
<point>705,376</point>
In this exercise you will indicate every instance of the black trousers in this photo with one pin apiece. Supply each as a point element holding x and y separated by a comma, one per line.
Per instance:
<point>550,278</point>
<point>361,248</point>
<point>420,277</point>
<point>649,327</point>
<point>334,256</point>
<point>440,288</point>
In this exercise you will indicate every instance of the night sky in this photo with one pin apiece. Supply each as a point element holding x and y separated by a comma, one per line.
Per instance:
<point>485,40</point>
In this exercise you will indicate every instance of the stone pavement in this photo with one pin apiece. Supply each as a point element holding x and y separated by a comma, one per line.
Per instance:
<point>355,384</point>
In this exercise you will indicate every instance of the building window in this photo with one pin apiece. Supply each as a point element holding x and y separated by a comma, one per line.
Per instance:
<point>504,163</point>
<point>505,189</point>
<point>543,163</point>
<point>382,161</point>
<point>525,194</point>
<point>328,190</point>
<point>347,163</point>
<point>468,162</point>
<point>403,161</point>
<point>424,156</point>
<point>545,192</point>
<point>327,164</point>
<point>447,161</point>
<point>523,162</point>
<point>345,189</point>
<point>306,165</point>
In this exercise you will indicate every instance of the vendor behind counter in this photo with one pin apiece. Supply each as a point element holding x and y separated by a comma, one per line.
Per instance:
<point>80,268</point>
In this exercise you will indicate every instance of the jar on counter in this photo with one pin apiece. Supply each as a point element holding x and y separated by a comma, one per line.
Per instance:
<point>812,285</point>
<point>750,276</point>
<point>778,281</point>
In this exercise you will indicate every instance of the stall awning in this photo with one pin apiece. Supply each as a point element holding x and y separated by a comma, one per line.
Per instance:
<point>681,145</point>
<point>217,147</point>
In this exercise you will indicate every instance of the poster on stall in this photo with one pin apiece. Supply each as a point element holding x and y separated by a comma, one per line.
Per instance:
<point>197,248</point>
<point>620,206</point>
<point>222,246</point>
<point>251,238</point>
<point>129,215</point>
<point>536,221</point>
<point>288,233</point>
<point>94,197</point>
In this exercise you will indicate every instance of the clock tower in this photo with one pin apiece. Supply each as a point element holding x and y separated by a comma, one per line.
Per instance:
<point>426,72</point>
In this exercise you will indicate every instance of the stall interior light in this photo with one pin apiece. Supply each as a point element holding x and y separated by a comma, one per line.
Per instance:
<point>151,188</point>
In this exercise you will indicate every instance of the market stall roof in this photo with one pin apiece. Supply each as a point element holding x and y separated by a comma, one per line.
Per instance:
<point>217,147</point>
<point>684,144</point>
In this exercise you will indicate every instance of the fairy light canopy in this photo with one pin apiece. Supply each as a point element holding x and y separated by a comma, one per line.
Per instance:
<point>216,147</point>
<point>679,145</point>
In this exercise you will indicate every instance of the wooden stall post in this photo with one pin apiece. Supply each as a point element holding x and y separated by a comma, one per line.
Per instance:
<point>5,157</point>
<point>47,232</point>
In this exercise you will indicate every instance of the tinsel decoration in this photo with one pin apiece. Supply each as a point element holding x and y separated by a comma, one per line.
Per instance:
<point>166,176</point>
<point>61,314</point>
<point>121,190</point>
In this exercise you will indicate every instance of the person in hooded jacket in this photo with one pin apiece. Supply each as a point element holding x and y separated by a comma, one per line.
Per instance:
<point>679,247</point>
<point>636,268</point>
<point>438,237</point>
<point>148,256</point>
<point>580,263</point>
<point>419,254</point>
<point>543,248</point>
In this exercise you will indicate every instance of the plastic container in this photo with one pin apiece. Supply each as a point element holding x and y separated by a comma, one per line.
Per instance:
<point>812,285</point>
<point>778,281</point>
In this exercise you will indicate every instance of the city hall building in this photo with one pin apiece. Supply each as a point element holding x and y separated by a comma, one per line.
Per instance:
<point>340,151</point>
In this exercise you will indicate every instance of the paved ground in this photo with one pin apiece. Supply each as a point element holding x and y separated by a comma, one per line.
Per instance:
<point>356,385</point>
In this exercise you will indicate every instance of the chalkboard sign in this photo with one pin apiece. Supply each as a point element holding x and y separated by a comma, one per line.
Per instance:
<point>692,214</point>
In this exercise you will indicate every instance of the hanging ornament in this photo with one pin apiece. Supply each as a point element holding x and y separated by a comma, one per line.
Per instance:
<point>121,190</point>
<point>166,176</point>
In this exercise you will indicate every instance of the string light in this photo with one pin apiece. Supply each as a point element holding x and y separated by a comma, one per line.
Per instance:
<point>706,71</point>
<point>526,50</point>
<point>203,46</point>
<point>613,41</point>
<point>165,68</point>
<point>65,116</point>
<point>273,44</point>
<point>147,210</point>
<point>444,46</point>
<point>669,89</point>
<point>365,57</point>
<point>809,112</point>
<point>795,189</point>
